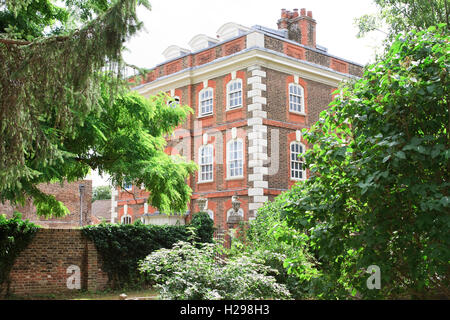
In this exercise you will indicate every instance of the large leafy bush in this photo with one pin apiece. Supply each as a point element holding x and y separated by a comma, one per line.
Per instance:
<point>294,266</point>
<point>378,192</point>
<point>195,272</point>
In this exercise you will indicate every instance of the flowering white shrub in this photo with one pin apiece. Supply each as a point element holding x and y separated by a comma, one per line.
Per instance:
<point>197,273</point>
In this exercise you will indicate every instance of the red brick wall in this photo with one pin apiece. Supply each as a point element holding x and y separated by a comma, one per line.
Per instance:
<point>195,59</point>
<point>42,267</point>
<point>67,193</point>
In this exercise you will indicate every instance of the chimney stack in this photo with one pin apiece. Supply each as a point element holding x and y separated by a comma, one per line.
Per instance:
<point>301,27</point>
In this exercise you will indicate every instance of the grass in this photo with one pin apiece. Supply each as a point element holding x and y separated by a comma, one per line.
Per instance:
<point>87,295</point>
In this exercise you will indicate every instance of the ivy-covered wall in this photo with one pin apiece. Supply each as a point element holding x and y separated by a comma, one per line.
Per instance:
<point>121,246</point>
<point>46,264</point>
<point>106,255</point>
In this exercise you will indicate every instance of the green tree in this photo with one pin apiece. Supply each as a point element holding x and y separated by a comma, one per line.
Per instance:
<point>101,193</point>
<point>124,140</point>
<point>378,192</point>
<point>62,116</point>
<point>55,80</point>
<point>30,19</point>
<point>30,22</point>
<point>403,15</point>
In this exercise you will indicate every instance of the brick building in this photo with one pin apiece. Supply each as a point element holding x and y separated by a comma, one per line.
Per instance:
<point>74,195</point>
<point>252,90</point>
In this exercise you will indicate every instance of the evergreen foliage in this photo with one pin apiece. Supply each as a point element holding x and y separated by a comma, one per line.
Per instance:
<point>205,226</point>
<point>51,86</point>
<point>101,193</point>
<point>15,235</point>
<point>121,246</point>
<point>29,22</point>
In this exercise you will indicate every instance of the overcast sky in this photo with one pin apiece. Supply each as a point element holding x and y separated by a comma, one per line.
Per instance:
<point>176,22</point>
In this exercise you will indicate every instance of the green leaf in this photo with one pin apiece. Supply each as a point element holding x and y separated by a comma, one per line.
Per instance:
<point>400,154</point>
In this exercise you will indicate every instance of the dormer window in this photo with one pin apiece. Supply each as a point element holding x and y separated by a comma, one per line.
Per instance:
<point>205,99</point>
<point>173,52</point>
<point>202,41</point>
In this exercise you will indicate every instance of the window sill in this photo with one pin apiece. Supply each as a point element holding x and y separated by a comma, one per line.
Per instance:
<point>297,179</point>
<point>205,116</point>
<point>233,108</point>
<point>235,178</point>
<point>205,182</point>
<point>298,113</point>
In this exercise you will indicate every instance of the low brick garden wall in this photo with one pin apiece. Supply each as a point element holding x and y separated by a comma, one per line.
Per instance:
<point>46,264</point>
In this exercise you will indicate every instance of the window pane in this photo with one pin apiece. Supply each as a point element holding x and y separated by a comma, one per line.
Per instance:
<point>235,158</point>
<point>296,98</point>
<point>206,102</point>
<point>297,171</point>
<point>234,94</point>
<point>206,163</point>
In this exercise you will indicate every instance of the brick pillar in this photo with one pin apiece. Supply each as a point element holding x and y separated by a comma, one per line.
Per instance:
<point>91,268</point>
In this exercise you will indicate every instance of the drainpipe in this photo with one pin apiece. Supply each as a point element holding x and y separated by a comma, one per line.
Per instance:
<point>81,188</point>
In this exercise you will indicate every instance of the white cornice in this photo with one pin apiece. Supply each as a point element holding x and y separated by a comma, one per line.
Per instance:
<point>243,59</point>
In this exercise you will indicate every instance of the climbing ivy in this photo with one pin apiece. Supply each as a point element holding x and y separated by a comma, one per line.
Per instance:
<point>121,246</point>
<point>15,235</point>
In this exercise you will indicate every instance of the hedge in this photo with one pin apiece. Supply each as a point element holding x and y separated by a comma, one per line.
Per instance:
<point>15,235</point>
<point>121,246</point>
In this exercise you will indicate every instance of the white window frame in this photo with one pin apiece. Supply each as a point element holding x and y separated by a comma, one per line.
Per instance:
<point>204,99</point>
<point>234,91</point>
<point>296,161</point>
<point>230,158</point>
<point>125,216</point>
<point>209,164</point>
<point>210,213</point>
<point>298,95</point>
